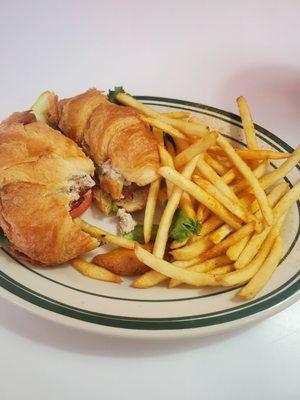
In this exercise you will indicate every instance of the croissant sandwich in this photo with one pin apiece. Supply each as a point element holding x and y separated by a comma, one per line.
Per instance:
<point>122,147</point>
<point>43,178</point>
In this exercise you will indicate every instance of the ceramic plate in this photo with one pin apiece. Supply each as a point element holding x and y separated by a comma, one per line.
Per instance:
<point>64,295</point>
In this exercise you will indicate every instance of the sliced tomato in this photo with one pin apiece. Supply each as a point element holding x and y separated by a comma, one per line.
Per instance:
<point>82,204</point>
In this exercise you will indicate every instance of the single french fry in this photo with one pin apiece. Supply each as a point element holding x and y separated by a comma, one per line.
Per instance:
<point>164,126</point>
<point>202,267</point>
<point>245,274</point>
<point>247,123</point>
<point>167,161</point>
<point>147,279</point>
<point>200,195</point>
<point>216,165</point>
<point>170,148</point>
<point>103,235</point>
<point>248,175</point>
<point>256,284</point>
<point>202,213</point>
<point>176,245</point>
<point>186,127</point>
<point>286,201</point>
<point>233,252</point>
<point>94,271</point>
<point>222,270</point>
<point>150,209</point>
<point>192,250</point>
<point>176,114</point>
<point>227,202</point>
<point>186,205</point>
<point>195,149</point>
<point>159,136</point>
<point>167,269</point>
<point>262,154</point>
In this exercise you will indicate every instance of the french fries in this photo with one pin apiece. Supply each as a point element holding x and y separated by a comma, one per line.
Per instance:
<point>150,209</point>
<point>233,252</point>
<point>250,177</point>
<point>227,202</point>
<point>187,128</point>
<point>245,274</point>
<point>222,187</point>
<point>94,271</point>
<point>205,266</point>
<point>167,269</point>
<point>215,164</point>
<point>104,236</point>
<point>263,275</point>
<point>200,195</point>
<point>193,250</point>
<point>153,277</point>
<point>164,126</point>
<point>195,149</point>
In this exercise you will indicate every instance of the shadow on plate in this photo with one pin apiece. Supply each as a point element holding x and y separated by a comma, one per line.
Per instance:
<point>39,330</point>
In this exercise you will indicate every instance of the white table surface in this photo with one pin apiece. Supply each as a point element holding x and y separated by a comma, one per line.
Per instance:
<point>206,51</point>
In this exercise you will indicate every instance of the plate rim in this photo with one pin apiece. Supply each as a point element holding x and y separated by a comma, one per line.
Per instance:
<point>285,294</point>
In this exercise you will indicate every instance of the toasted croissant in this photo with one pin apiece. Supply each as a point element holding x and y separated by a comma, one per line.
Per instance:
<point>114,133</point>
<point>38,170</point>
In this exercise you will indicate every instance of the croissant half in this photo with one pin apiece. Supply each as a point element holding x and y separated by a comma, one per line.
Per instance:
<point>41,173</point>
<point>114,136</point>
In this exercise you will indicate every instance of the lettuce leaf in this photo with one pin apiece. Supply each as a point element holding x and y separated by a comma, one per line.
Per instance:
<point>138,233</point>
<point>3,239</point>
<point>113,93</point>
<point>183,227</point>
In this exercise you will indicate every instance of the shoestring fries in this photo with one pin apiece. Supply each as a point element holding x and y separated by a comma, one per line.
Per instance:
<point>223,187</point>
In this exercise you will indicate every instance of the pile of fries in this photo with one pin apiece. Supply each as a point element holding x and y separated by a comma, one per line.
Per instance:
<point>240,205</point>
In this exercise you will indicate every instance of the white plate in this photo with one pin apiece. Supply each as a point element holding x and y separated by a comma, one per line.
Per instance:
<point>65,296</point>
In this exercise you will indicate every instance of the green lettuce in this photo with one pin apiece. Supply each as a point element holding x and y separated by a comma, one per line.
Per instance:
<point>183,227</point>
<point>3,239</point>
<point>113,93</point>
<point>138,233</point>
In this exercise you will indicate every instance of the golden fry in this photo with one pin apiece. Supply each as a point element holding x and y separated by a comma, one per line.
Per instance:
<point>104,236</point>
<point>150,209</point>
<point>222,270</point>
<point>94,271</point>
<point>233,252</point>
<point>247,123</point>
<point>176,114</point>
